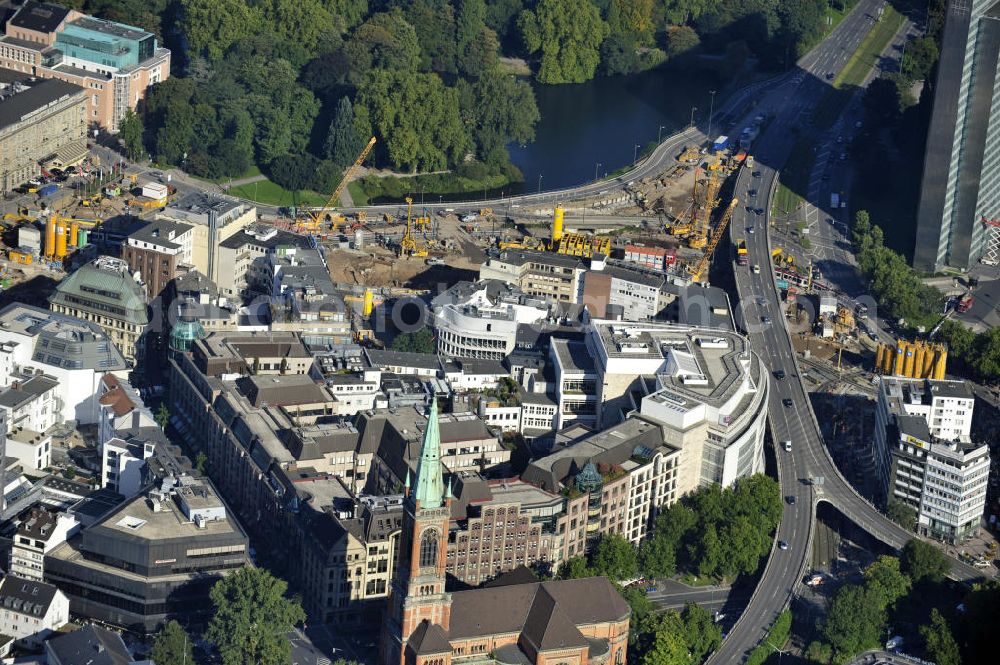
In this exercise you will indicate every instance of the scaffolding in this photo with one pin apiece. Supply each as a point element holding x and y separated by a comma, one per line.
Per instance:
<point>992,255</point>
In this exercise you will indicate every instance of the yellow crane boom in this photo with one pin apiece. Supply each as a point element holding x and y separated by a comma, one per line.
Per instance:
<point>317,217</point>
<point>699,268</point>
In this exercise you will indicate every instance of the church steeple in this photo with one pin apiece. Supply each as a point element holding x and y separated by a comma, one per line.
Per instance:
<point>429,489</point>
<point>418,596</point>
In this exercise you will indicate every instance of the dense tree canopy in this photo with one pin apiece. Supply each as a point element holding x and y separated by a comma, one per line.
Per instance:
<point>252,618</point>
<point>568,34</point>
<point>172,646</point>
<point>923,561</point>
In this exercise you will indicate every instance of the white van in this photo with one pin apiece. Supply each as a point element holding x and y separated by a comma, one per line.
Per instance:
<point>787,445</point>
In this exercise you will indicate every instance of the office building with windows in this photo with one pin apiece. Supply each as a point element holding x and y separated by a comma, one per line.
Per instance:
<point>925,458</point>
<point>961,179</point>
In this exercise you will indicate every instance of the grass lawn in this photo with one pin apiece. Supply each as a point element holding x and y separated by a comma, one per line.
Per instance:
<point>358,194</point>
<point>870,49</point>
<point>250,172</point>
<point>794,178</point>
<point>268,193</point>
<point>857,68</point>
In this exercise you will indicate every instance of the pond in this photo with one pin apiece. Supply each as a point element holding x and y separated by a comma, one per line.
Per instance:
<point>596,126</point>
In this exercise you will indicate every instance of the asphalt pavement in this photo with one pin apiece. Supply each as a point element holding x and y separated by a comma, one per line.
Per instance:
<point>807,471</point>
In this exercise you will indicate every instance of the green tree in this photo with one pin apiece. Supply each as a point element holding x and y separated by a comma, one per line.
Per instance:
<point>172,646</point>
<point>343,142</point>
<point>702,635</point>
<point>619,55</point>
<point>163,415</point>
<point>212,26</point>
<point>305,22</point>
<point>293,172</point>
<point>199,462</point>
<point>886,578</point>
<point>681,39</point>
<point>939,643</point>
<point>418,341</point>
<point>919,58</point>
<point>252,618</point>
<point>510,116</point>
<point>416,118</point>
<point>923,561</point>
<point>614,557</point>
<point>385,41</point>
<point>667,645</point>
<point>856,621</point>
<point>902,514</point>
<point>130,133</point>
<point>428,17</point>
<point>819,652</point>
<point>569,34</point>
<point>658,556</point>
<point>575,568</point>
<point>631,17</point>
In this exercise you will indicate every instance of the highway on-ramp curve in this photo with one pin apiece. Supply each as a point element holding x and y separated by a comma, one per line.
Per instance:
<point>808,458</point>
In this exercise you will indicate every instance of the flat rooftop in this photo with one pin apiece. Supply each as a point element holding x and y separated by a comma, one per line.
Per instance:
<point>697,364</point>
<point>138,519</point>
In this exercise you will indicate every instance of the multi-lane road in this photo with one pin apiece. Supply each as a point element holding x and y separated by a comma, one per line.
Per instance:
<point>807,471</point>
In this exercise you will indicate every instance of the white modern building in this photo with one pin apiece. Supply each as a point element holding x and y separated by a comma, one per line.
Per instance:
<point>706,388</point>
<point>123,464</point>
<point>925,458</point>
<point>30,611</point>
<point>576,381</point>
<point>73,352</point>
<point>480,319</point>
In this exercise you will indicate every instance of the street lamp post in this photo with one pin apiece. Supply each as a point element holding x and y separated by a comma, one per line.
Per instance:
<point>635,153</point>
<point>711,110</point>
<point>691,122</point>
<point>597,166</point>
<point>659,133</point>
<point>539,183</point>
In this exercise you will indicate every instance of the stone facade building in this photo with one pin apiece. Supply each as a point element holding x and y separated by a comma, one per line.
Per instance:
<point>36,124</point>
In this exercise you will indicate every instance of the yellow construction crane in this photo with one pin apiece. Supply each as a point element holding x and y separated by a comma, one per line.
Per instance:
<point>700,237</point>
<point>685,228</point>
<point>697,270</point>
<point>317,218</point>
<point>408,245</point>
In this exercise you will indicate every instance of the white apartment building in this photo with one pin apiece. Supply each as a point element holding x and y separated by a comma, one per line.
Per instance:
<point>123,464</point>
<point>709,393</point>
<point>924,456</point>
<point>480,319</point>
<point>39,532</point>
<point>32,404</point>
<point>32,449</point>
<point>72,352</point>
<point>30,611</point>
<point>576,382</point>
<point>121,409</point>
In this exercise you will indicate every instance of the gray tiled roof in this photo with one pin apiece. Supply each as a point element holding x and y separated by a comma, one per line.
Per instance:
<point>103,289</point>
<point>90,646</point>
<point>15,108</point>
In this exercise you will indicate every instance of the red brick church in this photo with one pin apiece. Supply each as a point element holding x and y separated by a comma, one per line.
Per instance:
<point>572,622</point>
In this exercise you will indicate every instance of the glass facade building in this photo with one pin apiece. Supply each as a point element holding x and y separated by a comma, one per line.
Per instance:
<point>961,178</point>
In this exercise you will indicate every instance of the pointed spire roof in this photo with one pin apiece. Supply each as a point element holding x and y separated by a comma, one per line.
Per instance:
<point>429,486</point>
